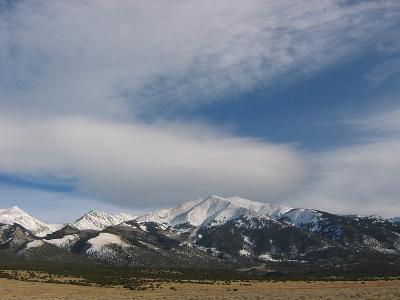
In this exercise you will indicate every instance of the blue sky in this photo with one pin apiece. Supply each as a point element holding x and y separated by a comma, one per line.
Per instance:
<point>310,112</point>
<point>137,106</point>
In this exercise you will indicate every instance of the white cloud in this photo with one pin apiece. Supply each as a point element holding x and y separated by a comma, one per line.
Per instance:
<point>360,178</point>
<point>378,124</point>
<point>148,165</point>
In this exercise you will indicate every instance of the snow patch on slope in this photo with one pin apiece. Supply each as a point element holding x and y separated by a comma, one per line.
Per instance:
<point>34,244</point>
<point>300,217</point>
<point>66,242</point>
<point>244,252</point>
<point>267,257</point>
<point>105,239</point>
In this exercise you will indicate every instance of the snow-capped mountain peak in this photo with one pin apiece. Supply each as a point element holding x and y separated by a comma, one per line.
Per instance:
<point>201,211</point>
<point>13,209</point>
<point>97,220</point>
<point>16,215</point>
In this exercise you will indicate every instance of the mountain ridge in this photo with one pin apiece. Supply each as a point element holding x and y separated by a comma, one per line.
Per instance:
<point>202,210</point>
<point>208,231</point>
<point>197,212</point>
<point>96,220</point>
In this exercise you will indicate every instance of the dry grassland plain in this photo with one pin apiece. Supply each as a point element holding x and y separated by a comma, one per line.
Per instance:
<point>380,289</point>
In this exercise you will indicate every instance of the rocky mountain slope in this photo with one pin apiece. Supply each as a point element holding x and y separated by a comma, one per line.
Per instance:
<point>211,231</point>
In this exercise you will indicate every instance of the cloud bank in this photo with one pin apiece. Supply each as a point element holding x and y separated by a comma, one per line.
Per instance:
<point>148,165</point>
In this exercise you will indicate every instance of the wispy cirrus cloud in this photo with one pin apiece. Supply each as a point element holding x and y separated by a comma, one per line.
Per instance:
<point>389,69</point>
<point>377,125</point>
<point>106,59</point>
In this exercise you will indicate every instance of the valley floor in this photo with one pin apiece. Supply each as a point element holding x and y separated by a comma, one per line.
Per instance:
<point>15,289</point>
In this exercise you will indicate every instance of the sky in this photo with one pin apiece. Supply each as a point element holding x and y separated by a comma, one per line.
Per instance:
<point>136,105</point>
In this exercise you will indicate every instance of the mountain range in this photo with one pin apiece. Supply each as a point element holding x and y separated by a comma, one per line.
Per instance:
<point>211,231</point>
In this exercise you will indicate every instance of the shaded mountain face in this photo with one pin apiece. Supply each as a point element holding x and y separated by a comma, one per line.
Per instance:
<point>359,233</point>
<point>264,239</point>
<point>14,236</point>
<point>395,220</point>
<point>207,232</point>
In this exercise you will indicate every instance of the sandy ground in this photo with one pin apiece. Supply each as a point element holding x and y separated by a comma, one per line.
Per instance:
<point>14,289</point>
